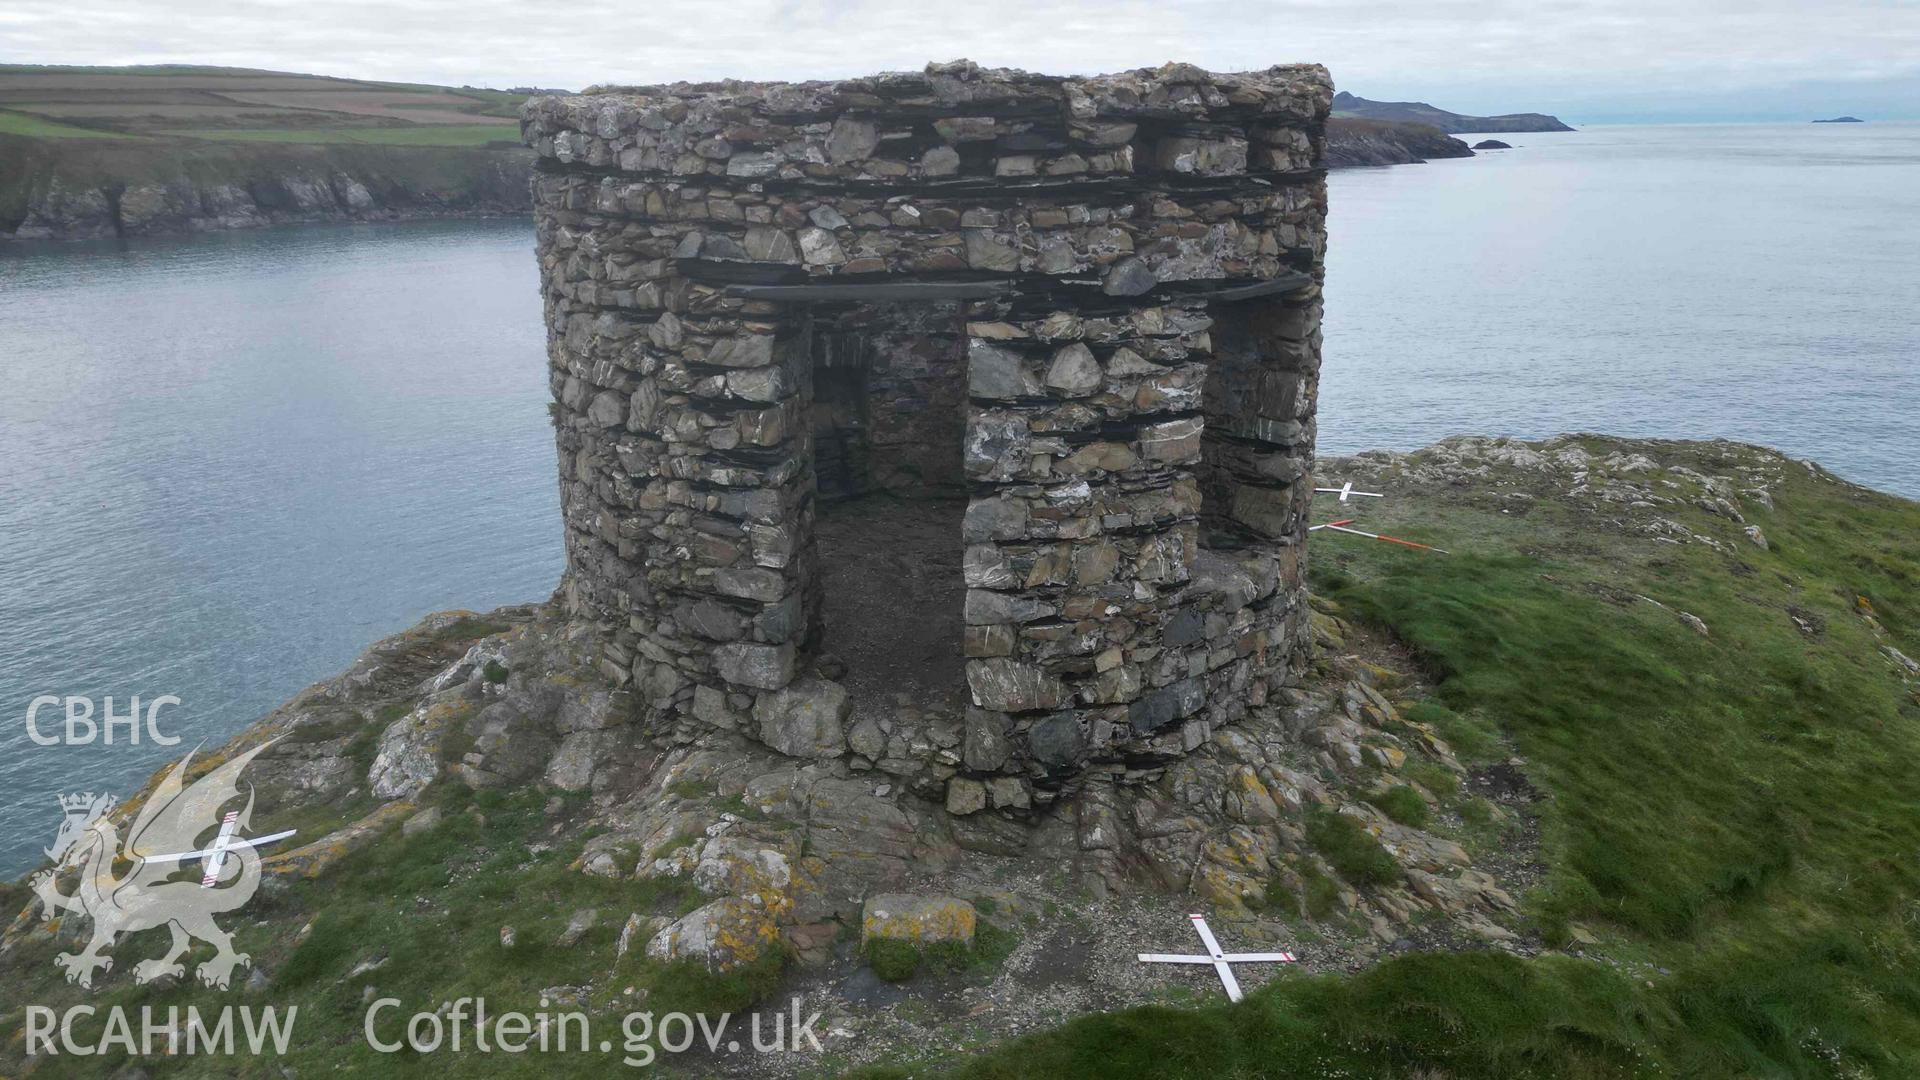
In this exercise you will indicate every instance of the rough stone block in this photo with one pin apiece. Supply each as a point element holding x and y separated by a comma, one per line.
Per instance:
<point>763,667</point>
<point>1010,686</point>
<point>921,920</point>
<point>805,719</point>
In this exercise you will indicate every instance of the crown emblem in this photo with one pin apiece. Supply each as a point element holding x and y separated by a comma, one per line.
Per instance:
<point>87,806</point>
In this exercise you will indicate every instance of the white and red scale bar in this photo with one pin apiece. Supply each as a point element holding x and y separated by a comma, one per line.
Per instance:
<point>1222,961</point>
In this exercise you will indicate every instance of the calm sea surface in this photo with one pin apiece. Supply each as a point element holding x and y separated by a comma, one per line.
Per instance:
<point>229,463</point>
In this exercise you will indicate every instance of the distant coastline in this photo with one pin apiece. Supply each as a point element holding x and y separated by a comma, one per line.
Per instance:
<point>89,153</point>
<point>1453,123</point>
<point>1354,142</point>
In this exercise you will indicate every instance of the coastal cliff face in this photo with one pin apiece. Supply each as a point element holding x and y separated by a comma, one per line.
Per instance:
<point>73,190</point>
<point>59,189</point>
<point>1352,142</point>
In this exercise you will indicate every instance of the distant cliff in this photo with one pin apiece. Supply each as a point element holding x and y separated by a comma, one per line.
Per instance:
<point>1381,142</point>
<point>1419,112</point>
<point>69,189</point>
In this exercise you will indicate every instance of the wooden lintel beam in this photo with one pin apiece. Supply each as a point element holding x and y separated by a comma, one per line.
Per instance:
<point>877,290</point>
<point>1290,281</point>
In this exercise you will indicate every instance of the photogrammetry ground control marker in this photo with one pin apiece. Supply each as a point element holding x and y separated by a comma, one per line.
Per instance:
<point>1222,961</point>
<point>1346,490</point>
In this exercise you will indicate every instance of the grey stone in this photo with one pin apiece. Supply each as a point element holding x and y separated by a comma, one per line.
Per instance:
<point>1005,685</point>
<point>763,667</point>
<point>424,821</point>
<point>609,409</point>
<point>1129,277</point>
<point>965,796</point>
<point>984,746</point>
<point>577,926</point>
<point>1056,741</point>
<point>1161,707</point>
<point>997,373</point>
<point>994,518</point>
<point>804,720</point>
<point>1009,793</point>
<point>819,248</point>
<point>742,350</point>
<point>922,920</point>
<point>753,165</point>
<point>866,739</point>
<point>1074,372</point>
<point>750,583</point>
<point>987,251</point>
<point>714,621</point>
<point>764,243</point>
<point>940,161</point>
<point>851,140</point>
<point>984,607</point>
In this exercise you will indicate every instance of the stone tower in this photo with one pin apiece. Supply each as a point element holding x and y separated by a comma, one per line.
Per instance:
<point>1085,310</point>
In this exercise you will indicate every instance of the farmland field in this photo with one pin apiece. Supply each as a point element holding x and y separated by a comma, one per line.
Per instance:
<point>177,103</point>
<point>92,151</point>
<point>412,135</point>
<point>13,123</point>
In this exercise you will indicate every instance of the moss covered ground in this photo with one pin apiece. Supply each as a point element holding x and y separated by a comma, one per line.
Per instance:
<point>1733,819</point>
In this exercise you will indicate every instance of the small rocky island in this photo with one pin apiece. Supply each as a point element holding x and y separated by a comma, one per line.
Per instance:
<point>1842,120</point>
<point>1492,144</point>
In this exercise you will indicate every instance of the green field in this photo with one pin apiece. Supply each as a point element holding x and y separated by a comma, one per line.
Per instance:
<point>420,135</point>
<point>13,123</point>
<point>76,138</point>
<point>182,102</point>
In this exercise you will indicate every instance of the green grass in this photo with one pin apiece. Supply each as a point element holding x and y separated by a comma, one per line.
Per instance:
<point>897,961</point>
<point>416,135</point>
<point>1351,849</point>
<point>1402,804</point>
<point>15,123</point>
<point>1316,897</point>
<point>1736,816</point>
<point>429,908</point>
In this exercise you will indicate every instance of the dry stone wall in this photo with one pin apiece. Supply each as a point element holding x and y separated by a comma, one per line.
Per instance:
<point>1126,271</point>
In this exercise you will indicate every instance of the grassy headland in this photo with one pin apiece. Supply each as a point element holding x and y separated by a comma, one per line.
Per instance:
<point>1732,821</point>
<point>215,147</point>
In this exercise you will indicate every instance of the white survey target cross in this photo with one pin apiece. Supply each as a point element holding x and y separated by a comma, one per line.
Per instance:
<point>216,856</point>
<point>1222,961</point>
<point>1346,490</point>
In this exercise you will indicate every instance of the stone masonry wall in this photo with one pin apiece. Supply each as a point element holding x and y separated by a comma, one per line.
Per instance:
<point>1129,266</point>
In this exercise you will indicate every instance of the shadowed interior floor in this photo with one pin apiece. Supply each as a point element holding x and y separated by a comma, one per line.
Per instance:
<point>894,599</point>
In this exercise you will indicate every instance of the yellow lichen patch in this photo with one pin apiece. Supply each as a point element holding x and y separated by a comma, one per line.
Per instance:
<point>921,920</point>
<point>314,859</point>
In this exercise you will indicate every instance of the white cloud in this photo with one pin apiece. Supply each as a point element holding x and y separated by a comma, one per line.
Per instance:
<point>1470,54</point>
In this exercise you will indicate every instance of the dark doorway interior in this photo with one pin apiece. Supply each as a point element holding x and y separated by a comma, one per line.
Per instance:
<point>889,417</point>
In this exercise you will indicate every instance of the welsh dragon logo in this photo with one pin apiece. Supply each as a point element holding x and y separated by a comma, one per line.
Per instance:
<point>165,834</point>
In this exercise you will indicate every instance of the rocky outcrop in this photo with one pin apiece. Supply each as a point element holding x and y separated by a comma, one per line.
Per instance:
<point>1419,112</point>
<point>1353,142</point>
<point>53,189</point>
<point>1492,144</point>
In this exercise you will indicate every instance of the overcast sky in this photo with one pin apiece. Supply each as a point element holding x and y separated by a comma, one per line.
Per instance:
<point>1591,60</point>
